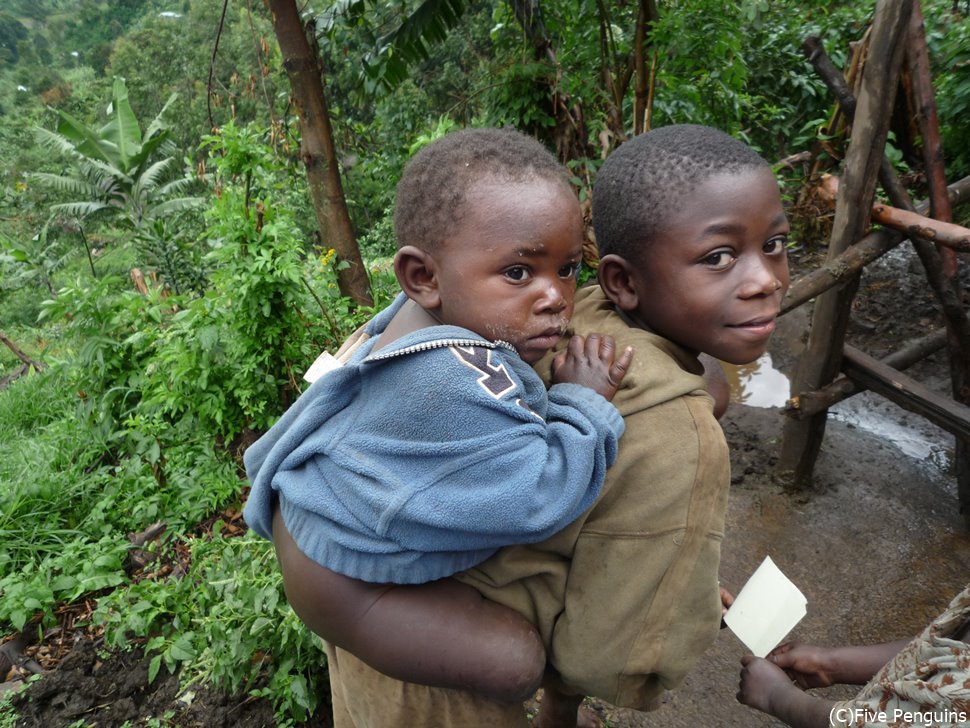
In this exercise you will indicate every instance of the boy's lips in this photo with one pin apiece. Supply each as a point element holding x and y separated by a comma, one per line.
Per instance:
<point>545,339</point>
<point>759,327</point>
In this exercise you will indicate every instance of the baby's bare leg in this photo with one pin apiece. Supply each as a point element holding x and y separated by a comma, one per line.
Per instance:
<point>442,634</point>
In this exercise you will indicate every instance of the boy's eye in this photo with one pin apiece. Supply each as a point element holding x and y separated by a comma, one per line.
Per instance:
<point>571,270</point>
<point>517,273</point>
<point>719,259</point>
<point>775,245</point>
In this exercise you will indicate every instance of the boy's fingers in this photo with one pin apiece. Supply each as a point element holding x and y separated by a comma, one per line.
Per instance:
<point>576,345</point>
<point>626,358</point>
<point>607,349</point>
<point>593,342</point>
<point>621,365</point>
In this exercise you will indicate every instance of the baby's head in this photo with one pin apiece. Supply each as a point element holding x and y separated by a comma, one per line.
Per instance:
<point>692,233</point>
<point>490,237</point>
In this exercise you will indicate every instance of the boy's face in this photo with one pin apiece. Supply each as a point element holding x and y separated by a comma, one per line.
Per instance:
<point>713,277</point>
<point>508,272</point>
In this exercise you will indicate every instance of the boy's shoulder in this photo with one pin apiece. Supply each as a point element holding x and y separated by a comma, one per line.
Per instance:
<point>661,370</point>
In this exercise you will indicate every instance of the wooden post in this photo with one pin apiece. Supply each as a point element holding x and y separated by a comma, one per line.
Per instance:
<point>820,362</point>
<point>811,403</point>
<point>947,283</point>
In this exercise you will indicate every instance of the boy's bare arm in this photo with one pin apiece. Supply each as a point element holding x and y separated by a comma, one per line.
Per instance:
<point>814,667</point>
<point>717,384</point>
<point>766,687</point>
<point>442,634</point>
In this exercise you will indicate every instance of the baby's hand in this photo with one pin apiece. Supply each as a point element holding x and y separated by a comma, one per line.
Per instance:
<point>763,685</point>
<point>590,362</point>
<point>805,664</point>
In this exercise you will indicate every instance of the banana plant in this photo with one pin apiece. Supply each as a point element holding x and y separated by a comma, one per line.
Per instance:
<point>116,168</point>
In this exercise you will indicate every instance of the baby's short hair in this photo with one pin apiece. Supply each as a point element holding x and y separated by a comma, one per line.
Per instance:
<point>432,193</point>
<point>639,184</point>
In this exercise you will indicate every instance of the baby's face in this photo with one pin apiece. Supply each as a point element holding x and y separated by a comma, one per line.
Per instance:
<point>713,277</point>
<point>508,272</point>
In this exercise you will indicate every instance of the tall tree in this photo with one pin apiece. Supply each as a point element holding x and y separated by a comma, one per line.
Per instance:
<point>302,66</point>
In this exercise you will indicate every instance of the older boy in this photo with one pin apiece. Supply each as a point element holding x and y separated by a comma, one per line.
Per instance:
<point>692,236</point>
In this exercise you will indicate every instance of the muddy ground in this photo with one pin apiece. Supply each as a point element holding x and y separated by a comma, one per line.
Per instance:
<point>878,546</point>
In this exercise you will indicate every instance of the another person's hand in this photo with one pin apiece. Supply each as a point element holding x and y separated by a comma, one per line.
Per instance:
<point>763,685</point>
<point>592,362</point>
<point>807,665</point>
<point>717,384</point>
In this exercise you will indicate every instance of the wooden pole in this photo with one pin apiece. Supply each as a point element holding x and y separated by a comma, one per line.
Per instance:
<point>871,247</point>
<point>811,403</point>
<point>945,234</point>
<point>820,362</point>
<point>909,394</point>
<point>949,289</point>
<point>840,270</point>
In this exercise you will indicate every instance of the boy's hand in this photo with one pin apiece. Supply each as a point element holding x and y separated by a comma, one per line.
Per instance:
<point>763,686</point>
<point>806,665</point>
<point>592,362</point>
<point>727,599</point>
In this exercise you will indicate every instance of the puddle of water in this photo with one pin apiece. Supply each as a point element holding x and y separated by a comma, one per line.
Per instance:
<point>757,384</point>
<point>760,384</point>
<point>913,435</point>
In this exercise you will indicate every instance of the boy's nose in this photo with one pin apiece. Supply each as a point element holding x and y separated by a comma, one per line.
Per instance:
<point>553,297</point>
<point>761,281</point>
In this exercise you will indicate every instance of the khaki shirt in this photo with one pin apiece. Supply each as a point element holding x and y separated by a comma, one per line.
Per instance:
<point>626,598</point>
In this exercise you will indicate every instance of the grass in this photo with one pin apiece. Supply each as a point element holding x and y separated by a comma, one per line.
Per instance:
<point>69,497</point>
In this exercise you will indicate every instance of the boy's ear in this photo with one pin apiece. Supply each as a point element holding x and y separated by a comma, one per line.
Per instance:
<point>615,275</point>
<point>416,273</point>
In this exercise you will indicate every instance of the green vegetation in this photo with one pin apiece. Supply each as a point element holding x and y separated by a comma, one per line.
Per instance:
<point>173,278</point>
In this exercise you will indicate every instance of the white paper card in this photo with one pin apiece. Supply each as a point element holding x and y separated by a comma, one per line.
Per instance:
<point>324,363</point>
<point>767,609</point>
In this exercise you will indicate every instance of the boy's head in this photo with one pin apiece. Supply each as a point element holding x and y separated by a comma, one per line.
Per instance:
<point>490,237</point>
<point>691,234</point>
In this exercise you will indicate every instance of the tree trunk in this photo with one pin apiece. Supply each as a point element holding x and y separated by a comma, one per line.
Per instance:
<point>644,79</point>
<point>318,152</point>
<point>570,134</point>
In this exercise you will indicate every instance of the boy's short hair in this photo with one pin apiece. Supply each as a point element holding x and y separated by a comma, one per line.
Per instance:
<point>640,183</point>
<point>432,192</point>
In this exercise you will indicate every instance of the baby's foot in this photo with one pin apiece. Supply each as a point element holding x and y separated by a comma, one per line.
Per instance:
<point>561,714</point>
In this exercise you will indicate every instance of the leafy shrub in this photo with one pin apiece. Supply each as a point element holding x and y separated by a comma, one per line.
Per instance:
<point>226,620</point>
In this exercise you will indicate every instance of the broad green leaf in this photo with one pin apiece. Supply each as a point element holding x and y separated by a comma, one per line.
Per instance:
<point>122,130</point>
<point>85,140</point>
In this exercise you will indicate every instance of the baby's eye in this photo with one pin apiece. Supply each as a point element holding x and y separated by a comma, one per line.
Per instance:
<point>719,259</point>
<point>571,270</point>
<point>775,245</point>
<point>517,273</point>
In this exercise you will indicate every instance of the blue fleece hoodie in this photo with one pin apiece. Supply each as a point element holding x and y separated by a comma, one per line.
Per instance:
<point>420,460</point>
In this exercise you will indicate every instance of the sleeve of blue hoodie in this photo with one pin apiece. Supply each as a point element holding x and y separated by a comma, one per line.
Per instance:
<point>427,458</point>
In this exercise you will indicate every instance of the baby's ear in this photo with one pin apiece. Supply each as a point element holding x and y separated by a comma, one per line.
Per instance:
<point>416,273</point>
<point>616,280</point>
